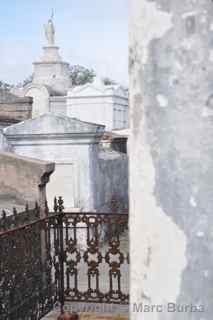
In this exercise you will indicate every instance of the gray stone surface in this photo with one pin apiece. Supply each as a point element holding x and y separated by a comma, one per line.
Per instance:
<point>171,158</point>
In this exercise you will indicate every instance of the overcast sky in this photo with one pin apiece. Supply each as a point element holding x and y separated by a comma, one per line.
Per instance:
<point>93,33</point>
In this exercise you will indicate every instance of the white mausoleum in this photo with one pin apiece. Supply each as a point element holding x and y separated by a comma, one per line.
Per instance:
<point>86,175</point>
<point>52,91</point>
<point>99,103</point>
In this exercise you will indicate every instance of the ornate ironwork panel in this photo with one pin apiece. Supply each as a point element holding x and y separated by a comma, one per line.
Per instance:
<point>63,256</point>
<point>96,257</point>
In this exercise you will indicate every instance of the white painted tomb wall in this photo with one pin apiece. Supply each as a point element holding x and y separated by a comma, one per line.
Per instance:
<point>86,175</point>
<point>58,105</point>
<point>107,105</point>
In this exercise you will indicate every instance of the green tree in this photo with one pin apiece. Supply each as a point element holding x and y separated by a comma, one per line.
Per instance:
<point>5,85</point>
<point>108,82</point>
<point>25,82</point>
<point>81,75</point>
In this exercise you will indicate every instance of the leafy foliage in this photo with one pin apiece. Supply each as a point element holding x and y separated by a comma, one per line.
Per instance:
<point>27,80</point>
<point>81,75</point>
<point>108,82</point>
<point>5,85</point>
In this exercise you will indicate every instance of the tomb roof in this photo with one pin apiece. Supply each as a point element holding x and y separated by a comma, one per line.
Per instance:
<point>98,89</point>
<point>53,124</point>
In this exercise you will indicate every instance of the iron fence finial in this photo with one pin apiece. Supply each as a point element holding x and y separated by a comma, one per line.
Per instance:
<point>60,204</point>
<point>27,207</point>
<point>55,204</point>
<point>37,210</point>
<point>4,220</point>
<point>46,208</point>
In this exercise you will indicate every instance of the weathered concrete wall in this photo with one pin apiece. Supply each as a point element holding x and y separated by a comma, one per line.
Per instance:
<point>171,159</point>
<point>22,180</point>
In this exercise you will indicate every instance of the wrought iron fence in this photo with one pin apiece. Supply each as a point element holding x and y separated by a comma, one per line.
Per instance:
<point>9,221</point>
<point>29,272</point>
<point>61,257</point>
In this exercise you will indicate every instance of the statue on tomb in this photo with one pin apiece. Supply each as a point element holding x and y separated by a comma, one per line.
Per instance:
<point>50,32</point>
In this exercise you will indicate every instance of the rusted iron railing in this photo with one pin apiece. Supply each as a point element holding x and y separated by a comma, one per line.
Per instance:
<point>59,258</point>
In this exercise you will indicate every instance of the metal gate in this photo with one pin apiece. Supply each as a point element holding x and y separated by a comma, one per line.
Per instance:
<point>62,257</point>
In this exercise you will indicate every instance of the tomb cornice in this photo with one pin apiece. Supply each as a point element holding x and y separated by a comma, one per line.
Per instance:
<point>52,139</point>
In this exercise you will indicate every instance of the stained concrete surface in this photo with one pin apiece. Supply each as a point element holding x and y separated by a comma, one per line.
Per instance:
<point>171,158</point>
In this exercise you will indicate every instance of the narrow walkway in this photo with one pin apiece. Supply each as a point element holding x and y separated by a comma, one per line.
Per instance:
<point>94,311</point>
<point>90,316</point>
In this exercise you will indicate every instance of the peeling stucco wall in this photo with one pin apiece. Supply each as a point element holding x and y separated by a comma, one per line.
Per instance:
<point>171,158</point>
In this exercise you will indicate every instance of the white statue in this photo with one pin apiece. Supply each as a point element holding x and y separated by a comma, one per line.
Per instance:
<point>50,32</point>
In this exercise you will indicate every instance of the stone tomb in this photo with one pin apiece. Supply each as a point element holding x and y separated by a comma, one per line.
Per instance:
<point>87,176</point>
<point>69,143</point>
<point>99,103</point>
<point>52,91</point>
